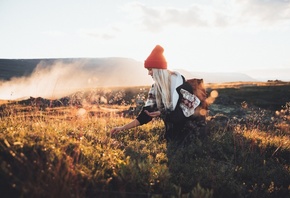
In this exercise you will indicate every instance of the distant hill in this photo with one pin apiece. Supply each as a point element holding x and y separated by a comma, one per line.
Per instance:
<point>10,68</point>
<point>218,77</point>
<point>52,78</point>
<point>108,71</point>
<point>282,74</point>
<point>127,71</point>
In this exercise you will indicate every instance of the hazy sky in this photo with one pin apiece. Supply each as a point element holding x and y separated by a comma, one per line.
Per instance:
<point>202,35</point>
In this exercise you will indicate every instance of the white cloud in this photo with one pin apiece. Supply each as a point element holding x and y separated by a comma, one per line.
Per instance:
<point>155,19</point>
<point>264,13</point>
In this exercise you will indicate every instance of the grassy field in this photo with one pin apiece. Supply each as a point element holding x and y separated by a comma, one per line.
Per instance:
<point>67,150</point>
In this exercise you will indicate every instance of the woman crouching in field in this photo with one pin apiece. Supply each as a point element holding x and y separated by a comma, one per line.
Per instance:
<point>170,97</point>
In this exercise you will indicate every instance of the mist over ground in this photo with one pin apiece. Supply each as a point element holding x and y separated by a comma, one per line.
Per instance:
<point>55,78</point>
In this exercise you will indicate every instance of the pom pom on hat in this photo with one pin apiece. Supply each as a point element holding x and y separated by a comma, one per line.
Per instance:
<point>156,59</point>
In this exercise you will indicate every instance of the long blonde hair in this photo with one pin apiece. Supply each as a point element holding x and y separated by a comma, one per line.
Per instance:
<point>162,78</point>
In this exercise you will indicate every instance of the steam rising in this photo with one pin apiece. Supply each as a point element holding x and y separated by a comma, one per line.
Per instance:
<point>49,81</point>
<point>52,80</point>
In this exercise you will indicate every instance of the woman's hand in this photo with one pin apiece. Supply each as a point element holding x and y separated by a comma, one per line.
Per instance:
<point>116,130</point>
<point>130,125</point>
<point>153,114</point>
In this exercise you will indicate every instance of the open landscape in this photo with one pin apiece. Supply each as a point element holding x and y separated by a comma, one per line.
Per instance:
<point>74,73</point>
<point>62,147</point>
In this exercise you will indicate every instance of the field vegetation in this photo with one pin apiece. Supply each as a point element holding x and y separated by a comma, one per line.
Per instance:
<point>63,148</point>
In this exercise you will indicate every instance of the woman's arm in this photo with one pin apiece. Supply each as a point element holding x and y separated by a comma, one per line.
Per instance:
<point>135,122</point>
<point>130,125</point>
<point>153,114</point>
<point>145,115</point>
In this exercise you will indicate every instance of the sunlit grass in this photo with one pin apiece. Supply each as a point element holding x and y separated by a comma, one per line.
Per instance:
<point>244,84</point>
<point>69,152</point>
<point>83,142</point>
<point>264,139</point>
<point>275,135</point>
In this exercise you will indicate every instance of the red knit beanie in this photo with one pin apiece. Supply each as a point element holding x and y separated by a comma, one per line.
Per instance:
<point>156,59</point>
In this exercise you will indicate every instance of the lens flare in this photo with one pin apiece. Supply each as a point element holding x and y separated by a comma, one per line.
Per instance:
<point>214,94</point>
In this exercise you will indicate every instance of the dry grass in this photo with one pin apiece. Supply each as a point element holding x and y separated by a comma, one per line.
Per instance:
<point>69,152</point>
<point>244,84</point>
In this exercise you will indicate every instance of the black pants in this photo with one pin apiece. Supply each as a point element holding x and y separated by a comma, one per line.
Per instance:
<point>179,132</point>
<point>175,132</point>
